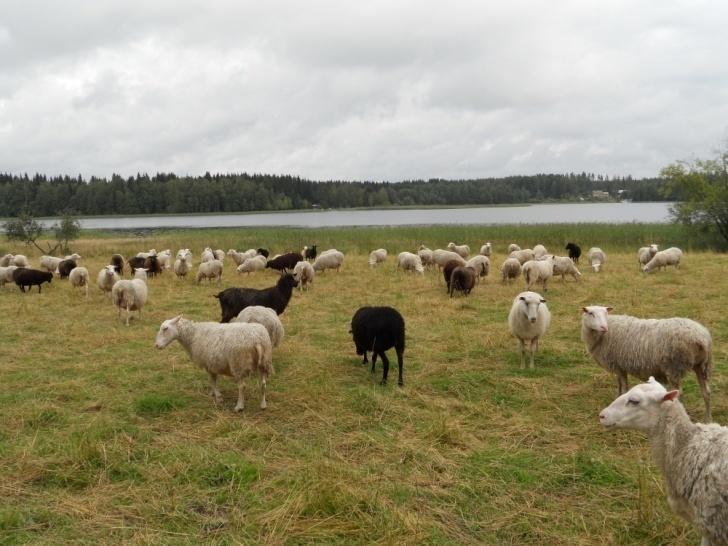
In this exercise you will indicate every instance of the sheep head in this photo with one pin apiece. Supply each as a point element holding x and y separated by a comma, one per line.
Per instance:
<point>639,408</point>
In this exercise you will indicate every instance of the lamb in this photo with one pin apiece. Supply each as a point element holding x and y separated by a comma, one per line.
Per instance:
<point>426,256</point>
<point>65,267</point>
<point>50,263</point>
<point>234,300</point>
<point>462,279</point>
<point>209,270</point>
<point>441,257</point>
<point>207,255</point>
<point>309,253</point>
<point>663,258</point>
<point>107,278</point>
<point>219,255</point>
<point>539,251</point>
<point>645,254</point>
<point>165,259</point>
<point>328,260</point>
<point>663,348</point>
<point>377,256</point>
<point>23,277</point>
<point>410,262</point>
<point>6,260</point>
<point>528,320</point>
<point>79,278</point>
<point>523,256</point>
<point>692,457</point>
<point>462,250</point>
<point>513,247</point>
<point>574,252</point>
<point>117,261</point>
<point>378,329</point>
<point>6,274</point>
<point>131,295</point>
<point>563,265</point>
<point>236,350</point>
<point>596,257</point>
<point>258,263</point>
<point>511,269</point>
<point>267,317</point>
<point>285,261</point>
<point>481,264</point>
<point>304,275</point>
<point>486,249</point>
<point>538,271</point>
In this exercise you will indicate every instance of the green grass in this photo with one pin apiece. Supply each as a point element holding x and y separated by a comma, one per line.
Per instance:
<point>106,439</point>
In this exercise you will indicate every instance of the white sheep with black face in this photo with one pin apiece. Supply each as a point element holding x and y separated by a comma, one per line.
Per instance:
<point>528,321</point>
<point>692,457</point>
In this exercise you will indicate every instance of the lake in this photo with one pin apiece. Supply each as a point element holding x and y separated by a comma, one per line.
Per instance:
<point>619,213</point>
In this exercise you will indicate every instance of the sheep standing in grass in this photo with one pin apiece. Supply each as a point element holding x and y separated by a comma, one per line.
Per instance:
<point>596,258</point>
<point>6,274</point>
<point>304,274</point>
<point>410,262</point>
<point>107,278</point>
<point>267,317</point>
<point>513,247</point>
<point>378,329</point>
<point>574,251</point>
<point>328,260</point>
<point>538,271</point>
<point>209,270</point>
<point>462,250</point>
<point>6,260</point>
<point>79,278</point>
<point>377,257</point>
<point>462,279</point>
<point>511,269</point>
<point>486,249</point>
<point>236,350</point>
<point>219,255</point>
<point>481,265</point>
<point>238,257</point>
<point>528,320</point>
<point>117,260</point>
<point>523,256</point>
<point>131,295</point>
<point>256,263</point>
<point>233,300</point>
<point>426,256</point>
<point>645,254</point>
<point>663,348</point>
<point>207,255</point>
<point>539,251</point>
<point>663,258</point>
<point>692,457</point>
<point>442,257</point>
<point>165,259</point>
<point>181,266</point>
<point>21,261</point>
<point>563,265</point>
<point>22,276</point>
<point>50,263</point>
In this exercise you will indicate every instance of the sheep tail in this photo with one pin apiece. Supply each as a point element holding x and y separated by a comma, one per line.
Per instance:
<point>264,358</point>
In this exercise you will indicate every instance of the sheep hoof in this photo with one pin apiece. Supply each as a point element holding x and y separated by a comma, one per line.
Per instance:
<point>238,408</point>
<point>263,405</point>
<point>400,383</point>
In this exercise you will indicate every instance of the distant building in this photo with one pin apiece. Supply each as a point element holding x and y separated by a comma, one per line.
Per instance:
<point>598,194</point>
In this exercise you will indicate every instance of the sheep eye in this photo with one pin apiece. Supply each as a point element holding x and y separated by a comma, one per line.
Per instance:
<point>633,402</point>
<point>522,298</point>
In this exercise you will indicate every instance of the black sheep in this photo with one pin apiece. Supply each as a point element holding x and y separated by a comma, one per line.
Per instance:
<point>28,277</point>
<point>117,260</point>
<point>151,264</point>
<point>310,253</point>
<point>462,279</point>
<point>136,263</point>
<point>285,261</point>
<point>378,329</point>
<point>234,300</point>
<point>65,267</point>
<point>574,252</point>
<point>263,252</point>
<point>447,271</point>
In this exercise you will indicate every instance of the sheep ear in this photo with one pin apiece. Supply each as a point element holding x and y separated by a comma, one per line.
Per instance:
<point>543,300</point>
<point>584,310</point>
<point>672,395</point>
<point>609,309</point>
<point>175,320</point>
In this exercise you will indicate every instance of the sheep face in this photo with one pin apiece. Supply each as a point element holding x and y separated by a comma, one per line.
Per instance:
<point>529,305</point>
<point>638,408</point>
<point>140,273</point>
<point>168,332</point>
<point>596,317</point>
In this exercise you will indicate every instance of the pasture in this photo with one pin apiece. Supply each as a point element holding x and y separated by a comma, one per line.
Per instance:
<point>105,439</point>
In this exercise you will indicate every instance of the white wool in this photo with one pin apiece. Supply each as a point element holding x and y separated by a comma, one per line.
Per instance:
<point>75,257</point>
<point>210,270</point>
<point>165,259</point>
<point>182,266</point>
<point>304,274</point>
<point>79,277</point>
<point>663,258</point>
<point>596,258</point>
<point>426,256</point>
<point>6,260</point>
<point>462,250</point>
<point>130,295</point>
<point>539,251</point>
<point>486,249</point>
<point>410,262</point>
<point>330,259</point>
<point>441,257</point>
<point>219,255</point>
<point>20,260</point>
<point>50,263</point>
<point>377,256</point>
<point>645,254</point>
<point>107,278</point>
<point>267,317</point>
<point>481,264</point>
<point>511,269</point>
<point>563,265</point>
<point>6,274</point>
<point>523,256</point>
<point>538,271</point>
<point>513,247</point>
<point>528,320</point>
<point>256,263</point>
<point>207,255</point>
<point>238,257</point>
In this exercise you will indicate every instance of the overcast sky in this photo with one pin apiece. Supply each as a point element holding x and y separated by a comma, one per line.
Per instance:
<point>375,90</point>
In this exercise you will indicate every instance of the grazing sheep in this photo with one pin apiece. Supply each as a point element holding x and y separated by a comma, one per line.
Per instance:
<point>6,260</point>
<point>236,350</point>
<point>538,271</point>
<point>165,259</point>
<point>23,277</point>
<point>256,263</point>
<point>284,261</point>
<point>219,255</point>
<point>645,254</point>
<point>442,257</point>
<point>209,270</point>
<point>309,253</point>
<point>426,256</point>
<point>462,279</point>
<point>663,348</point>
<point>65,267</point>
<point>238,257</point>
<point>410,262</point>
<point>692,457</point>
<point>329,260</point>
<point>539,251</point>
<point>207,255</point>
<point>50,263</point>
<point>234,300</point>
<point>131,295</point>
<point>377,257</point>
<point>523,256</point>
<point>267,317</point>
<point>182,266</point>
<point>596,257</point>
<point>574,252</point>
<point>511,269</point>
<point>304,275</point>
<point>107,278</point>
<point>563,265</point>
<point>663,258</point>
<point>513,247</point>
<point>462,250</point>
<point>378,329</point>
<point>78,277</point>
<point>481,264</point>
<point>6,274</point>
<point>486,249</point>
<point>117,260</point>
<point>528,320</point>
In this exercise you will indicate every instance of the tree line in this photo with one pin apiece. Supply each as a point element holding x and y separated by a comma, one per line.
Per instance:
<point>40,195</point>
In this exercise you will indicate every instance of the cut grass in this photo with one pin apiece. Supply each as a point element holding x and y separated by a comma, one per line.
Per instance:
<point>106,439</point>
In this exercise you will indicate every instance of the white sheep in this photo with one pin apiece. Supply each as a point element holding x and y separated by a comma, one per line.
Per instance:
<point>596,258</point>
<point>20,260</point>
<point>6,260</point>
<point>692,457</point>
<point>330,259</point>
<point>442,257</point>
<point>50,263</point>
<point>6,274</point>
<point>481,264</point>
<point>75,257</point>
<point>528,320</point>
<point>563,265</point>
<point>523,256</point>
<point>513,247</point>
<point>538,271</point>
<point>663,258</point>
<point>79,278</point>
<point>151,252</point>
<point>256,263</point>
<point>377,256</point>
<point>207,255</point>
<point>165,259</point>
<point>233,349</point>
<point>410,262</point>
<point>511,269</point>
<point>304,273</point>
<point>210,270</point>
<point>238,257</point>
<point>182,266</point>
<point>462,250</point>
<point>663,348</point>
<point>107,278</point>
<point>219,255</point>
<point>486,249</point>
<point>426,256</point>
<point>539,251</point>
<point>266,316</point>
<point>131,295</point>
<point>645,254</point>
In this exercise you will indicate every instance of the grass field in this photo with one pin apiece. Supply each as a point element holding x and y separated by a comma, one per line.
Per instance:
<point>105,439</point>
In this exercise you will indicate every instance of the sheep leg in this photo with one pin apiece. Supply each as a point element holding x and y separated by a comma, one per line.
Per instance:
<point>214,391</point>
<point>128,314</point>
<point>241,389</point>
<point>702,375</point>
<point>534,348</point>
<point>263,403</point>
<point>622,384</point>
<point>522,350</point>
<point>374,359</point>
<point>400,363</point>
<point>385,367</point>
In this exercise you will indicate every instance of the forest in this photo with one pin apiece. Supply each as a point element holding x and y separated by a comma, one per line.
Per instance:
<point>40,195</point>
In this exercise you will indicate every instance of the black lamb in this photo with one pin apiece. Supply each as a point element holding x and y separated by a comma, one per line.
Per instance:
<point>310,253</point>
<point>29,277</point>
<point>234,300</point>
<point>378,329</point>
<point>574,252</point>
<point>285,261</point>
<point>462,279</point>
<point>263,252</point>
<point>65,267</point>
<point>117,260</point>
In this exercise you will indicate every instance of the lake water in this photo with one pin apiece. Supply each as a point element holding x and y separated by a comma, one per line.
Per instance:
<point>619,213</point>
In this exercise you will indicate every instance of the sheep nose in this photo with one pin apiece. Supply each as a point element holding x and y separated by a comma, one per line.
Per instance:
<point>602,417</point>
<point>604,328</point>
<point>533,320</point>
